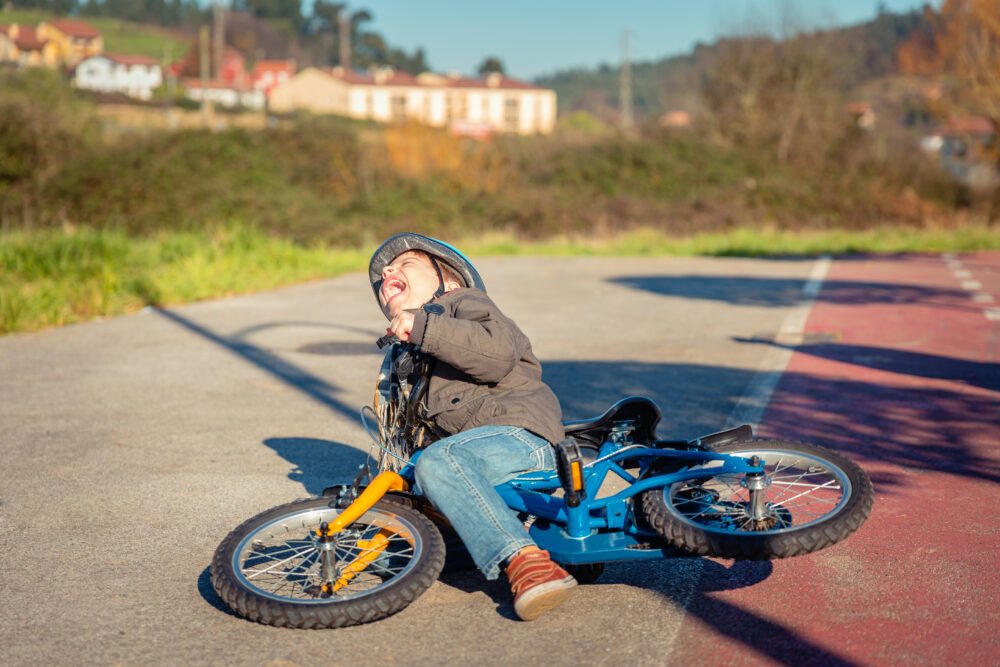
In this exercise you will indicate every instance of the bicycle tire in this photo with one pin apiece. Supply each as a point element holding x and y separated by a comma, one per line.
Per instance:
<point>267,568</point>
<point>708,516</point>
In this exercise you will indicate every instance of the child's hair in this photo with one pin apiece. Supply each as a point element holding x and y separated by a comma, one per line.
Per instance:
<point>447,273</point>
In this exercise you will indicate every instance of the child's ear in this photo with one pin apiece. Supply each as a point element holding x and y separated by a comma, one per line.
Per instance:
<point>450,285</point>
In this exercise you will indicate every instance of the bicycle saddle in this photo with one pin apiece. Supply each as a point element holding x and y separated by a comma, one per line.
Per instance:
<point>642,411</point>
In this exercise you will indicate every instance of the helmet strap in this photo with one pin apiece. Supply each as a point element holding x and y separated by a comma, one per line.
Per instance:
<point>440,290</point>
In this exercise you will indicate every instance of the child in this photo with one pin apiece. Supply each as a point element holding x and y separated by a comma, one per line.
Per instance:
<point>487,402</point>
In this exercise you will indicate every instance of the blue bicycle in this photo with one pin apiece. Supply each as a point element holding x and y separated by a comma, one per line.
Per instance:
<point>365,550</point>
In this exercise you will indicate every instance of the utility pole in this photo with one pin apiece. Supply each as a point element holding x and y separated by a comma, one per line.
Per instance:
<point>203,52</point>
<point>219,38</point>
<point>625,86</point>
<point>345,40</point>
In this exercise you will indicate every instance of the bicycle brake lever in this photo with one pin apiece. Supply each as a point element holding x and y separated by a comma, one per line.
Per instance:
<point>387,339</point>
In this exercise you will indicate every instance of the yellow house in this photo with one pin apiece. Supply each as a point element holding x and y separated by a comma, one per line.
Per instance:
<point>23,45</point>
<point>74,38</point>
<point>465,106</point>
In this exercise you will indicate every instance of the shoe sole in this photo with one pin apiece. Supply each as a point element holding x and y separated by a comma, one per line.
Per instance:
<point>543,598</point>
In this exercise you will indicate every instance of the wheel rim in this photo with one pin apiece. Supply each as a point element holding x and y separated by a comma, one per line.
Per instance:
<point>802,490</point>
<point>280,560</point>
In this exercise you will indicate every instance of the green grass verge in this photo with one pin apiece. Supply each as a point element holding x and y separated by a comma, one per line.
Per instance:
<point>51,278</point>
<point>748,242</point>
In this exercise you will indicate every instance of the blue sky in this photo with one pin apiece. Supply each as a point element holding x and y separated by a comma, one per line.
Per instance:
<point>535,37</point>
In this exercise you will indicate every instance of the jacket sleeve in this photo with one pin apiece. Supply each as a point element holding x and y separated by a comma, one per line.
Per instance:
<point>473,337</point>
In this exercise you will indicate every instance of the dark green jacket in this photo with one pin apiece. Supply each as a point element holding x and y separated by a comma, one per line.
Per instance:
<point>485,372</point>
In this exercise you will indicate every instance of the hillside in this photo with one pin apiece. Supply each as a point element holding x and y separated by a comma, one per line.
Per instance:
<point>858,53</point>
<point>119,36</point>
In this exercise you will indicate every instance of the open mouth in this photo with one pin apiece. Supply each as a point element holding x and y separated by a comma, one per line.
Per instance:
<point>392,288</point>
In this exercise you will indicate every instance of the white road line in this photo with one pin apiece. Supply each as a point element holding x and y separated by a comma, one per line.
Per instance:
<point>982,297</point>
<point>992,314</point>
<point>750,407</point>
<point>971,285</point>
<point>963,274</point>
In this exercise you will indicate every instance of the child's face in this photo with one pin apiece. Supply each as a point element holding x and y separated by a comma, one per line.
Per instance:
<point>409,281</point>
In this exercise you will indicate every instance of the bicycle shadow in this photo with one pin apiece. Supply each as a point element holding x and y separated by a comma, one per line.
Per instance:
<point>688,583</point>
<point>318,463</point>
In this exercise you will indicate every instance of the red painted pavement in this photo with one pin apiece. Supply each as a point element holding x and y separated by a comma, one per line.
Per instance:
<point>909,387</point>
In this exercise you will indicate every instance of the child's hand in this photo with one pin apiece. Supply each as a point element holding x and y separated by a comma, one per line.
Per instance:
<point>401,325</point>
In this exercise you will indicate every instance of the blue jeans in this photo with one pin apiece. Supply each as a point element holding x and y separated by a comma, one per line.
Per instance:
<point>458,474</point>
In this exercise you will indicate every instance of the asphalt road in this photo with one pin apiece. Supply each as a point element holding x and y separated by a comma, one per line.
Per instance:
<point>131,446</point>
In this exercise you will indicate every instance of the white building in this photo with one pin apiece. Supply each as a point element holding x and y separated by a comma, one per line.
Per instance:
<point>134,75</point>
<point>467,106</point>
<point>224,94</point>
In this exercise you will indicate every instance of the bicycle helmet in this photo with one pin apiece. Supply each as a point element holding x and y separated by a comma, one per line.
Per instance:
<point>438,251</point>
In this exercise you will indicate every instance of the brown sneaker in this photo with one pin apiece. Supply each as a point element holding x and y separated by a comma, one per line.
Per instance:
<point>538,584</point>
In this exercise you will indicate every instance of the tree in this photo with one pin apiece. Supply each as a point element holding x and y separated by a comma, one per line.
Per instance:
<point>490,65</point>
<point>968,43</point>
<point>774,96</point>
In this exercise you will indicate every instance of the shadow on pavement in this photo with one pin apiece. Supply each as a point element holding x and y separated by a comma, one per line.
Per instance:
<point>767,637</point>
<point>919,364</point>
<point>311,385</point>
<point>781,292</point>
<point>208,593</point>
<point>318,463</point>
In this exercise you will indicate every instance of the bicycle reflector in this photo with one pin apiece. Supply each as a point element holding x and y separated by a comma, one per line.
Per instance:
<point>569,463</point>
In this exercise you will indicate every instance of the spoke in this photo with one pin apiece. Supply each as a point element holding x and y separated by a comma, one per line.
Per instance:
<point>787,484</point>
<point>783,484</point>
<point>280,562</point>
<point>832,481</point>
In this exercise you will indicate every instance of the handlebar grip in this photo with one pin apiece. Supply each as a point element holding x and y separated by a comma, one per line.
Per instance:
<point>387,339</point>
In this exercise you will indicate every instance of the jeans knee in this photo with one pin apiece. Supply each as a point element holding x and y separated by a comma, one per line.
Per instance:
<point>430,466</point>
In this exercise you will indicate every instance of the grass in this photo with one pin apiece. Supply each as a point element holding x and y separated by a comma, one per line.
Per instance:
<point>751,242</point>
<point>126,37</point>
<point>119,36</point>
<point>53,277</point>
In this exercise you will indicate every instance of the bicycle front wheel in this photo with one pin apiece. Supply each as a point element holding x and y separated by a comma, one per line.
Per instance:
<point>812,498</point>
<point>274,569</point>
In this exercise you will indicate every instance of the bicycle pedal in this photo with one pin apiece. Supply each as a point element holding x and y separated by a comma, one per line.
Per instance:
<point>569,464</point>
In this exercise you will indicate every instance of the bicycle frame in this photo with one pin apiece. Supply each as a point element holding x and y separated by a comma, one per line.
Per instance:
<point>604,529</point>
<point>595,530</point>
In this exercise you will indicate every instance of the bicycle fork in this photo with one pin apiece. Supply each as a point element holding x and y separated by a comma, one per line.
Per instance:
<point>333,576</point>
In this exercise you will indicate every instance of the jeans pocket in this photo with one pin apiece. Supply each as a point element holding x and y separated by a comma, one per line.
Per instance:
<point>544,457</point>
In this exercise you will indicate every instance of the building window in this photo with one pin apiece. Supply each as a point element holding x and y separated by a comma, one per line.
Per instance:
<point>397,107</point>
<point>456,106</point>
<point>511,114</point>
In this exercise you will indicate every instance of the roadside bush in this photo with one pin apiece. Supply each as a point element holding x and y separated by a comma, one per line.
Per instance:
<point>44,126</point>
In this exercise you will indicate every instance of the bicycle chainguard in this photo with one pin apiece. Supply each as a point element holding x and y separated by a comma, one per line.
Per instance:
<point>569,463</point>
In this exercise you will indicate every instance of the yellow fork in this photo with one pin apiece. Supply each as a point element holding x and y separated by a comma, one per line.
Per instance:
<point>372,548</point>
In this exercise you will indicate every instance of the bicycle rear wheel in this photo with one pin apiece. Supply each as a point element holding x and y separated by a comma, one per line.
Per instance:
<point>812,499</point>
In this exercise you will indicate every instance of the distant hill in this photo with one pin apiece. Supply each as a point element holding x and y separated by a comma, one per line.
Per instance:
<point>865,51</point>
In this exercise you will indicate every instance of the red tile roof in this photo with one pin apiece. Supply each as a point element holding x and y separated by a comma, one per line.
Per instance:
<point>971,125</point>
<point>27,39</point>
<point>75,28</point>
<point>274,65</point>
